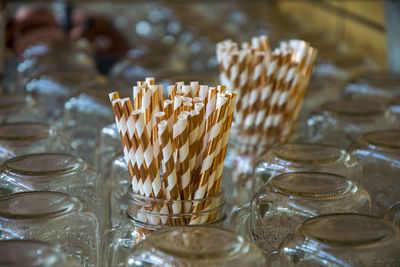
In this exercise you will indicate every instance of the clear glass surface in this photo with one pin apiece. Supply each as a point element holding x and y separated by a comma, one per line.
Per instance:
<point>30,137</point>
<point>146,215</point>
<point>30,253</point>
<point>56,172</point>
<point>53,217</point>
<point>342,122</point>
<point>342,240</point>
<point>379,154</point>
<point>393,214</point>
<point>17,108</point>
<point>295,157</point>
<point>107,145</point>
<point>195,246</point>
<point>289,199</point>
<point>84,117</point>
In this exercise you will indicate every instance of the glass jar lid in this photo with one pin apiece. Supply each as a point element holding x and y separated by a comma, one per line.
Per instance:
<point>388,139</point>
<point>312,185</point>
<point>354,108</point>
<point>31,253</point>
<point>309,154</point>
<point>44,165</point>
<point>24,131</point>
<point>36,205</point>
<point>348,230</point>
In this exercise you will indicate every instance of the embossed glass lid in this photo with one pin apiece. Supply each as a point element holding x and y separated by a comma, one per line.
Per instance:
<point>36,205</point>
<point>42,165</point>
<point>309,154</point>
<point>348,230</point>
<point>24,131</point>
<point>312,185</point>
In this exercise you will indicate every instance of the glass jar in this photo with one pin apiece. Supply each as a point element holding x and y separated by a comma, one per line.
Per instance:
<point>393,214</point>
<point>33,254</point>
<point>379,154</point>
<point>56,172</point>
<point>84,117</point>
<point>342,122</point>
<point>119,184</point>
<point>289,199</point>
<point>107,145</point>
<point>20,138</point>
<point>195,246</point>
<point>54,217</point>
<point>304,157</point>
<point>146,215</point>
<point>342,240</point>
<point>14,108</point>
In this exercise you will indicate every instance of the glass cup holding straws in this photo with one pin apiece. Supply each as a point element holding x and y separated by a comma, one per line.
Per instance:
<point>175,149</point>
<point>270,85</point>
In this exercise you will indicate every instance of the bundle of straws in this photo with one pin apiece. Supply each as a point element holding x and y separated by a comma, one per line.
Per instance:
<point>270,85</point>
<point>175,147</point>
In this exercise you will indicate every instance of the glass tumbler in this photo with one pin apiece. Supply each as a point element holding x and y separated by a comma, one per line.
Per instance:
<point>295,157</point>
<point>379,154</point>
<point>14,108</point>
<point>146,215</point>
<point>342,240</point>
<point>32,253</point>
<point>56,172</point>
<point>289,199</point>
<point>342,122</point>
<point>20,138</point>
<point>195,246</point>
<point>53,217</point>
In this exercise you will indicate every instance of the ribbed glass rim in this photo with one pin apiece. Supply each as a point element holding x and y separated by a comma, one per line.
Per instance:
<point>345,186</point>
<point>340,155</point>
<point>304,232</point>
<point>229,251</point>
<point>44,133</point>
<point>72,203</point>
<point>77,164</point>
<point>369,139</point>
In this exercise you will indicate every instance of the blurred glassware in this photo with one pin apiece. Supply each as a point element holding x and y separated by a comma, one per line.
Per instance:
<point>379,154</point>
<point>118,184</point>
<point>84,116</point>
<point>15,108</point>
<point>342,240</point>
<point>60,173</point>
<point>378,86</point>
<point>289,199</point>
<point>20,138</point>
<point>146,215</point>
<point>341,122</point>
<point>306,157</point>
<point>108,144</point>
<point>393,214</point>
<point>54,89</point>
<point>32,253</point>
<point>195,246</point>
<point>54,217</point>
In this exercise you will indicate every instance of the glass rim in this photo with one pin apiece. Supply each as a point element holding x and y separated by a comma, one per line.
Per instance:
<point>380,145</point>
<point>347,186</point>
<point>33,137</point>
<point>73,203</point>
<point>302,232</point>
<point>342,154</point>
<point>33,174</point>
<point>327,107</point>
